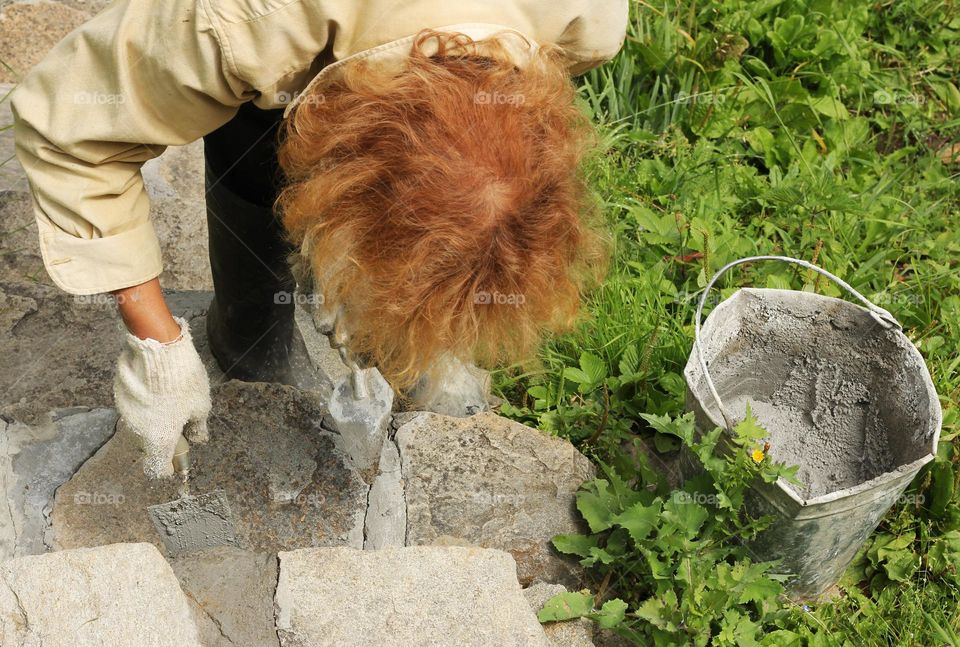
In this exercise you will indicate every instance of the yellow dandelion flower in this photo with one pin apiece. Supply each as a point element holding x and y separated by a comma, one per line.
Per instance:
<point>757,456</point>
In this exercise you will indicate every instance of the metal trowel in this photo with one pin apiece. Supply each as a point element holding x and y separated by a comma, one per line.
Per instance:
<point>192,523</point>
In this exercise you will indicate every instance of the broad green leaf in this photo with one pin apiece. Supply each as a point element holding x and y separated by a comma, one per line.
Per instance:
<point>781,638</point>
<point>574,544</point>
<point>749,429</point>
<point>660,611</point>
<point>593,367</point>
<point>941,487</point>
<point>576,375</point>
<point>611,613</point>
<point>566,606</point>
<point>686,516</point>
<point>900,566</point>
<point>830,106</point>
<point>895,544</point>
<point>639,520</point>
<point>597,504</point>
<point>760,589</point>
<point>681,427</point>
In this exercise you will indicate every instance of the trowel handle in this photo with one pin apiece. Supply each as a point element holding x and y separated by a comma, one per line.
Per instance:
<point>181,456</point>
<point>882,317</point>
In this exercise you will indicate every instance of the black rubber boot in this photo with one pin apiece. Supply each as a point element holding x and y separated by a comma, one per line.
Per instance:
<point>250,320</point>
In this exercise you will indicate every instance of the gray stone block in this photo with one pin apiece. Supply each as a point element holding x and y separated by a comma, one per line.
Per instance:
<point>34,462</point>
<point>124,594</point>
<point>235,589</point>
<point>260,435</point>
<point>492,482</point>
<point>403,597</point>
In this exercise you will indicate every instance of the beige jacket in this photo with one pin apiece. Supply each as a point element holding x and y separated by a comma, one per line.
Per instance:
<point>146,74</point>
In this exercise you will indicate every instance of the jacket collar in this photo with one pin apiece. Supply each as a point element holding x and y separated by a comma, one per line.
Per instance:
<point>394,53</point>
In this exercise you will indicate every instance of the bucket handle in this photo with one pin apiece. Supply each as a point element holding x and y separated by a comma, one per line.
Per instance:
<point>881,316</point>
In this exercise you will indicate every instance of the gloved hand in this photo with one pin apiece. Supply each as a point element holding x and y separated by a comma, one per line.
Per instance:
<point>159,390</point>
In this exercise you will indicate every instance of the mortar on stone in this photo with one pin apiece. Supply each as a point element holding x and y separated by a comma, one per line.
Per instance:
<point>191,523</point>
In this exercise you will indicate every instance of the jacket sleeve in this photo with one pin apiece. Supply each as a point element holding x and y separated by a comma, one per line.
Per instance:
<point>140,76</point>
<point>596,36</point>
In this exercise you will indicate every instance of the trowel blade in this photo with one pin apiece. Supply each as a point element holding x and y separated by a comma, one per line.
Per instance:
<point>194,523</point>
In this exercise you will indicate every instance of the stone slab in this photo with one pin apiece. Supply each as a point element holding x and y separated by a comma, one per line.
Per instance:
<point>234,588</point>
<point>403,597</point>
<point>492,482</point>
<point>260,435</point>
<point>34,462</point>
<point>124,594</point>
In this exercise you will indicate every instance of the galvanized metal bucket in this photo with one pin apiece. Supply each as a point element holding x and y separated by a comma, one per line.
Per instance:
<point>844,394</point>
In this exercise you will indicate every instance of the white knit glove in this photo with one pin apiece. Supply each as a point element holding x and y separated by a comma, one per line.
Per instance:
<point>159,390</point>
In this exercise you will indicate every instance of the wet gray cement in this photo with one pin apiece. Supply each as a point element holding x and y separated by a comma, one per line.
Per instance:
<point>841,396</point>
<point>193,523</point>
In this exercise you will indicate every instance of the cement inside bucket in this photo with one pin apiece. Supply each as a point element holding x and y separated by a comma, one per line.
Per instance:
<point>842,396</point>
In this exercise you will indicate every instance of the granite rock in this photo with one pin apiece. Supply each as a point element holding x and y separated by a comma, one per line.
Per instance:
<point>234,588</point>
<point>492,482</point>
<point>29,30</point>
<point>403,597</point>
<point>122,594</point>
<point>34,462</point>
<point>286,483</point>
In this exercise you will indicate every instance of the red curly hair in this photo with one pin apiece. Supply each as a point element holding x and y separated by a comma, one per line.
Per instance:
<point>443,206</point>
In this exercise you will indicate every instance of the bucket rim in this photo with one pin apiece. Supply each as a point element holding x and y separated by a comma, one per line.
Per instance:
<point>934,418</point>
<point>907,470</point>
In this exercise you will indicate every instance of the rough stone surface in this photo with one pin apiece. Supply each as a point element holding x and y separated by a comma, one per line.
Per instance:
<point>175,185</point>
<point>462,390</point>
<point>11,173</point>
<point>573,633</point>
<point>111,595</point>
<point>259,434</point>
<point>407,597</point>
<point>386,521</point>
<point>235,588</point>
<point>29,30</point>
<point>13,308</point>
<point>492,482</point>
<point>34,462</point>
<point>45,369</point>
<point>607,638</point>
<point>20,260</point>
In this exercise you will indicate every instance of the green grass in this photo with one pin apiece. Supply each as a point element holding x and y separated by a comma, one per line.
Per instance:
<point>813,129</point>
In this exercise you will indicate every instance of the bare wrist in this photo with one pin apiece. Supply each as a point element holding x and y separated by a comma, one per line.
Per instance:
<point>145,312</point>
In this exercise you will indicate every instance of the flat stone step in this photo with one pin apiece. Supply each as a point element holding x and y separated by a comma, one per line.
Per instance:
<point>492,482</point>
<point>234,588</point>
<point>284,481</point>
<point>124,594</point>
<point>403,597</point>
